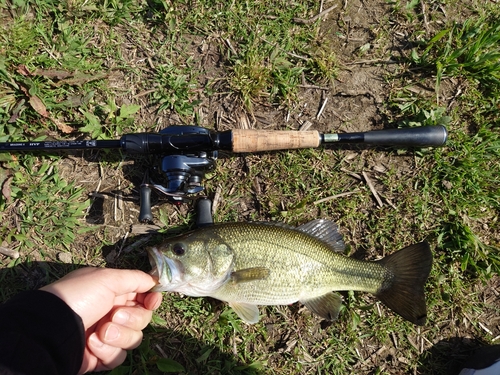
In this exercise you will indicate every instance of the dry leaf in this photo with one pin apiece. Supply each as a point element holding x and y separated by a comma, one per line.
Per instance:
<point>38,106</point>
<point>16,112</point>
<point>6,191</point>
<point>61,125</point>
<point>52,73</point>
<point>5,179</point>
<point>79,79</point>
<point>9,252</point>
<point>21,69</point>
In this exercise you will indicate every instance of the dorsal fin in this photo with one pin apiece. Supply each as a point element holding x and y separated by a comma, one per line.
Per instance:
<point>325,230</point>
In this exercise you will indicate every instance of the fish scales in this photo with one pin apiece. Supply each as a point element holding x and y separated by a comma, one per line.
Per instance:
<point>301,266</point>
<point>250,264</point>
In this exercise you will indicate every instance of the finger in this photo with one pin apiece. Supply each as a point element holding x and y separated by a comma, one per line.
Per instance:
<point>119,336</point>
<point>136,317</point>
<point>107,357</point>
<point>129,281</point>
<point>89,362</point>
<point>120,281</point>
<point>151,301</point>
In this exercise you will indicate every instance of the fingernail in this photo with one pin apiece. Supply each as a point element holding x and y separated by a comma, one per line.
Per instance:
<point>94,341</point>
<point>121,317</point>
<point>112,333</point>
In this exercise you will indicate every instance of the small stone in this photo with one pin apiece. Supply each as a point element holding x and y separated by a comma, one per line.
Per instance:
<point>65,257</point>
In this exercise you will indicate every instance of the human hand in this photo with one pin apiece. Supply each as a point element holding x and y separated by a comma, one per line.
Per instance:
<point>115,306</point>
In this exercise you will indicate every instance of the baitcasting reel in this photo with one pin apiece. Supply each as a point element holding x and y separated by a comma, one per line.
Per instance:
<point>183,171</point>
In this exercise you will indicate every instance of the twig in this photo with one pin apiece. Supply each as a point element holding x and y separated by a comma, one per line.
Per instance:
<point>138,243</point>
<point>98,195</point>
<point>144,229</point>
<point>144,93</point>
<point>395,339</point>
<point>372,189</point>
<point>337,196</point>
<point>375,97</point>
<point>352,174</point>
<point>377,305</point>
<point>457,94</point>
<point>390,203</point>
<point>115,206</point>
<point>95,194</point>
<point>161,351</point>
<point>338,115</point>
<point>14,254</point>
<point>305,126</point>
<point>426,24</point>
<point>123,244</point>
<point>374,61</point>
<point>485,328</point>
<point>244,121</point>
<point>322,108</point>
<point>298,56</point>
<point>256,186</point>
<point>314,87</point>
<point>302,21</point>
<point>230,46</point>
<point>217,195</point>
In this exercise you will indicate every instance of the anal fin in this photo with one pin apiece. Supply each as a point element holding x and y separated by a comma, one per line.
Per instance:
<point>247,312</point>
<point>326,306</point>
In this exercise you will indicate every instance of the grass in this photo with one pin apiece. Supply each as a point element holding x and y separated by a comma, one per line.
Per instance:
<point>468,50</point>
<point>100,69</point>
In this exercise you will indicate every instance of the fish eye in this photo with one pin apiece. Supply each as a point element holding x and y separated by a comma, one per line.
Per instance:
<point>178,249</point>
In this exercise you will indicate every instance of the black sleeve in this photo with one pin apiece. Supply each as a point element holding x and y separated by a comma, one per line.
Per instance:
<point>40,334</point>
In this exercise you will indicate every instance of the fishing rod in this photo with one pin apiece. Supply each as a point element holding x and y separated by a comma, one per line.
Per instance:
<point>193,139</point>
<point>188,152</point>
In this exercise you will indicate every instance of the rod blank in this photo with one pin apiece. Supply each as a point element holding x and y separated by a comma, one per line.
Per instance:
<point>240,140</point>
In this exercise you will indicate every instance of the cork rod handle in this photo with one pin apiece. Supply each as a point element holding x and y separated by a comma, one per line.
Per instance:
<point>252,140</point>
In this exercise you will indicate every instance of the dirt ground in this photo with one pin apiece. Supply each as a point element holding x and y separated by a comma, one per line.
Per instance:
<point>355,101</point>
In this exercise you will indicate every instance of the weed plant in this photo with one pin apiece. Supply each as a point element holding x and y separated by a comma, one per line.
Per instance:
<point>99,69</point>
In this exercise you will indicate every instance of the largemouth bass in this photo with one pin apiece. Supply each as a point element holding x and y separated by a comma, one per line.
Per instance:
<point>251,264</point>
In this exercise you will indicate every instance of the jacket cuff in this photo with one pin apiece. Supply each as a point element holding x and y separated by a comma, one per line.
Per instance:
<point>40,334</point>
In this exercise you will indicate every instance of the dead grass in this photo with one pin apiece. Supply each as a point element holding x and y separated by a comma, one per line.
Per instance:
<point>370,83</point>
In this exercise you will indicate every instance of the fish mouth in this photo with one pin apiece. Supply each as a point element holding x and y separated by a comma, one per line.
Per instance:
<point>167,271</point>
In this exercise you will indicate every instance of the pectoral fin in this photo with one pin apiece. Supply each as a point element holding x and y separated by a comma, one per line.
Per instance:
<point>248,313</point>
<point>249,274</point>
<point>326,306</point>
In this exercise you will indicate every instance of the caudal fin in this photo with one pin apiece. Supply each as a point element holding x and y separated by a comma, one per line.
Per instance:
<point>403,291</point>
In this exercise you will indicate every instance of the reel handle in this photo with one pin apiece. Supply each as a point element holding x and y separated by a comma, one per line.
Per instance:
<point>145,214</point>
<point>204,212</point>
